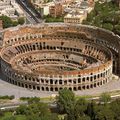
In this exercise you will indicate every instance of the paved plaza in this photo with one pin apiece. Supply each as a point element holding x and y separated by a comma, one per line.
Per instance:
<point>9,89</point>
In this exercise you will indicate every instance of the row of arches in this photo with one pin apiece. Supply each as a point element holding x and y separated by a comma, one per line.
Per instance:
<point>52,80</point>
<point>55,88</point>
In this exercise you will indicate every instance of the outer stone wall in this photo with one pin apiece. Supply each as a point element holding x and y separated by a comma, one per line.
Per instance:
<point>49,57</point>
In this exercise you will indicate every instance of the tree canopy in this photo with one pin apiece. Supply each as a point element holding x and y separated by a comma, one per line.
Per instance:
<point>7,22</point>
<point>105,15</point>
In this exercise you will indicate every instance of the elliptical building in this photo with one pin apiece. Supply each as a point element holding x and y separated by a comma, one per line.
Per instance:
<point>50,57</point>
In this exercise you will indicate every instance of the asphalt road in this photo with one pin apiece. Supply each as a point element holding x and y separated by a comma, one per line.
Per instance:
<point>30,15</point>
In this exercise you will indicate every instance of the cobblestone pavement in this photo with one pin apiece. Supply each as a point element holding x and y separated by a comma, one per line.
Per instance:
<point>9,89</point>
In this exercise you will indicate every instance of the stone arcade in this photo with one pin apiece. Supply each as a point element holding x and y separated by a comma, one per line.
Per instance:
<point>50,57</point>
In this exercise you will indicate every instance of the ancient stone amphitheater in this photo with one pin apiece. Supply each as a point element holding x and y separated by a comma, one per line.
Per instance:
<point>50,57</point>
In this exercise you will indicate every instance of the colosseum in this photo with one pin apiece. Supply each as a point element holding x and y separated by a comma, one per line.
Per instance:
<point>50,57</point>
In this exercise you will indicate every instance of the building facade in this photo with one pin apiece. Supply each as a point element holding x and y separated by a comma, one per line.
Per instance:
<point>11,9</point>
<point>75,17</point>
<point>56,10</point>
<point>50,57</point>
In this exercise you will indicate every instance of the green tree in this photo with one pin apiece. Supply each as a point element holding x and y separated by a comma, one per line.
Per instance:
<point>84,118</point>
<point>91,109</point>
<point>21,21</point>
<point>104,113</point>
<point>36,111</point>
<point>108,26</point>
<point>117,29</point>
<point>115,107</point>
<point>7,22</point>
<point>14,23</point>
<point>90,16</point>
<point>65,100</point>
<point>33,100</point>
<point>1,113</point>
<point>46,117</point>
<point>105,15</point>
<point>105,98</point>
<point>97,21</point>
<point>80,107</point>
<point>21,110</point>
<point>40,108</point>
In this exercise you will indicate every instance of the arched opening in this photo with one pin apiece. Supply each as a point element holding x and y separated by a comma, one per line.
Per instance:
<point>87,86</point>
<point>91,86</point>
<point>60,82</point>
<point>61,88</point>
<point>51,81</point>
<point>79,80</point>
<point>26,86</point>
<point>83,79</point>
<point>30,87</point>
<point>101,83</point>
<point>75,89</point>
<point>22,85</point>
<point>94,84</point>
<point>87,78</point>
<point>70,89</point>
<point>42,81</point>
<point>47,89</point>
<point>18,83</point>
<point>65,82</point>
<point>34,87</point>
<point>74,81</point>
<point>56,81</point>
<point>56,89</point>
<point>42,88</point>
<point>38,88</point>
<point>51,89</point>
<point>79,88</point>
<point>91,78</point>
<point>12,81</point>
<point>15,82</point>
<point>83,87</point>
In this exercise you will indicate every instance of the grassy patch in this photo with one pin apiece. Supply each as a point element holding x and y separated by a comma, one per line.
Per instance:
<point>53,19</point>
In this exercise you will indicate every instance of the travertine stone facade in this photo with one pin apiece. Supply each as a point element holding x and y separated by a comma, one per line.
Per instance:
<point>50,57</point>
